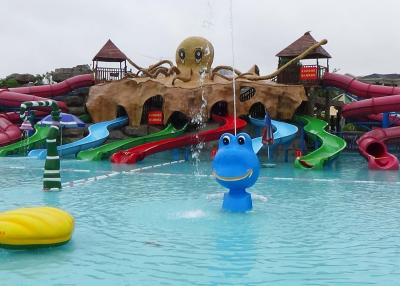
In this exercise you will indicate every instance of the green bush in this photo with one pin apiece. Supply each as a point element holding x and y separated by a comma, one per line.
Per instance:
<point>9,83</point>
<point>86,118</point>
<point>349,127</point>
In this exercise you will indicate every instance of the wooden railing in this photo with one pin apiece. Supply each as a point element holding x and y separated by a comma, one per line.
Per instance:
<point>107,74</point>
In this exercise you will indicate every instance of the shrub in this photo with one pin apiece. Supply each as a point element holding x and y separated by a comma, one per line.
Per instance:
<point>9,83</point>
<point>349,127</point>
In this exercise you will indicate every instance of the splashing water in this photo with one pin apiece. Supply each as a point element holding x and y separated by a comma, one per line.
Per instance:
<point>25,137</point>
<point>219,196</point>
<point>208,23</point>
<point>191,214</point>
<point>233,65</point>
<point>199,120</point>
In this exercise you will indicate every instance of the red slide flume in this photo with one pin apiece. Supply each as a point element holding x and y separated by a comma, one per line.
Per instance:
<point>138,153</point>
<point>9,132</point>
<point>382,99</point>
<point>356,87</point>
<point>372,147</point>
<point>13,97</point>
<point>63,87</point>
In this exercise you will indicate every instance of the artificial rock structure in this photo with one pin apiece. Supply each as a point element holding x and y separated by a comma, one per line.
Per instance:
<point>191,87</point>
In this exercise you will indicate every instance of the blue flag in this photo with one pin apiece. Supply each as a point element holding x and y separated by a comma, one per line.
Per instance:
<point>268,132</point>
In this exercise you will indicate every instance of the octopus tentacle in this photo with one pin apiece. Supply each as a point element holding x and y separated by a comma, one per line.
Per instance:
<point>245,75</point>
<point>182,78</point>
<point>133,64</point>
<point>160,70</point>
<point>217,68</point>
<point>159,64</point>
<point>296,59</point>
<point>220,75</point>
<point>174,69</point>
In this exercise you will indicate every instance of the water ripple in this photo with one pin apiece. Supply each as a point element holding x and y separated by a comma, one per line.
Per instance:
<point>157,227</point>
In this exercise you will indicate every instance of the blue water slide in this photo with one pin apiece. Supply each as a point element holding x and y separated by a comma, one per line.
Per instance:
<point>98,134</point>
<point>284,133</point>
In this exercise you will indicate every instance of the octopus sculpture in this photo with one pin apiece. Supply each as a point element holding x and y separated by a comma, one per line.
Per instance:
<point>193,87</point>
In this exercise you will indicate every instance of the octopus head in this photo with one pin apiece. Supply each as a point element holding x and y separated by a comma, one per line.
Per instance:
<point>194,57</point>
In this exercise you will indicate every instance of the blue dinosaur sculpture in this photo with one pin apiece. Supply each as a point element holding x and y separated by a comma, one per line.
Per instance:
<point>236,167</point>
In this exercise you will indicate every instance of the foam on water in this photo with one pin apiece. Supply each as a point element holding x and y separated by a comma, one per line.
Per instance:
<point>191,214</point>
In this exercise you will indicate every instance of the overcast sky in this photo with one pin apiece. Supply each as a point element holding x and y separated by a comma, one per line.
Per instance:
<point>38,36</point>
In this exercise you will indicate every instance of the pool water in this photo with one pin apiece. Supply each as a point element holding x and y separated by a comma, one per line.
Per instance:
<point>164,226</point>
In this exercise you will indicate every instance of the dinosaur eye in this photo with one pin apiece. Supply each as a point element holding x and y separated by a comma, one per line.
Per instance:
<point>226,140</point>
<point>181,54</point>
<point>198,54</point>
<point>241,140</point>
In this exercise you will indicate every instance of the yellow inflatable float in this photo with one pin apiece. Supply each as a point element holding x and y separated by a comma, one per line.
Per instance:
<point>35,227</point>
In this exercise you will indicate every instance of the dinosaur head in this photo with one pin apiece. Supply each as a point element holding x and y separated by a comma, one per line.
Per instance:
<point>235,165</point>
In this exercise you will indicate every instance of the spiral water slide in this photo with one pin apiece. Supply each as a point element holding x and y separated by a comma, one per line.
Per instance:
<point>13,97</point>
<point>138,153</point>
<point>381,99</point>
<point>330,147</point>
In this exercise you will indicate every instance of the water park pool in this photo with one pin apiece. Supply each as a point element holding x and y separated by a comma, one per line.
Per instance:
<point>164,226</point>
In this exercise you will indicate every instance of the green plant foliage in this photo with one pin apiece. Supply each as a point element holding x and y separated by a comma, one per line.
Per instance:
<point>9,83</point>
<point>349,127</point>
<point>86,118</point>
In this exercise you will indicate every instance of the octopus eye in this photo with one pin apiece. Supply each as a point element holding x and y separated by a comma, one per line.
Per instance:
<point>226,140</point>
<point>198,54</point>
<point>181,54</point>
<point>241,140</point>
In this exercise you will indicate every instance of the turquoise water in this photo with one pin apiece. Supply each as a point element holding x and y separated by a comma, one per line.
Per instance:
<point>164,226</point>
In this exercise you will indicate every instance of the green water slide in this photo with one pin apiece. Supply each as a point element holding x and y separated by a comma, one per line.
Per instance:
<point>105,151</point>
<point>330,146</point>
<point>37,140</point>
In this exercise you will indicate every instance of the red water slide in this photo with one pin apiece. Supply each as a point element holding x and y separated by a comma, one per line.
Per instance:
<point>63,87</point>
<point>371,145</point>
<point>373,105</point>
<point>384,99</point>
<point>9,132</point>
<point>13,116</point>
<point>356,87</point>
<point>394,120</point>
<point>13,97</point>
<point>138,153</point>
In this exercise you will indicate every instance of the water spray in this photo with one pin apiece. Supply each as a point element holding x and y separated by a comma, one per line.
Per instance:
<point>233,68</point>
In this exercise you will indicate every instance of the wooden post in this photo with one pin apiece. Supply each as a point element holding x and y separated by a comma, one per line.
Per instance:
<point>311,101</point>
<point>327,104</point>
<point>338,119</point>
